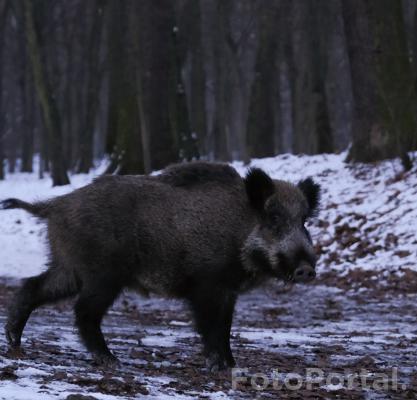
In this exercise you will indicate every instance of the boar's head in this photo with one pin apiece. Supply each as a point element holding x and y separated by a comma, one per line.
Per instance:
<point>279,244</point>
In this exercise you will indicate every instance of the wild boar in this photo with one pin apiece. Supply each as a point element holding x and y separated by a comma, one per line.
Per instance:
<point>198,231</point>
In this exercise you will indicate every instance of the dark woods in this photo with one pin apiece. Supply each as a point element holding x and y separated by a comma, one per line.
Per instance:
<point>151,82</point>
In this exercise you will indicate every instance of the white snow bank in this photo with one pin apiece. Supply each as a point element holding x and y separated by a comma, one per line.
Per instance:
<point>368,218</point>
<point>22,237</point>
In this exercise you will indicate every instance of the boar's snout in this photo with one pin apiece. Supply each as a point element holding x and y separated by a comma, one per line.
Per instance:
<point>304,273</point>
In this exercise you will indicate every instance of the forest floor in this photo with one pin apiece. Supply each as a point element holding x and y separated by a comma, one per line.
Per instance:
<point>277,331</point>
<point>350,335</point>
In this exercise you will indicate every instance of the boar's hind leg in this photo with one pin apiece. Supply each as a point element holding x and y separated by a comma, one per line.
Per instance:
<point>213,311</point>
<point>48,287</point>
<point>93,302</point>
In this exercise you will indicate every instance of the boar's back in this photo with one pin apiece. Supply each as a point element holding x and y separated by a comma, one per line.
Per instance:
<point>198,173</point>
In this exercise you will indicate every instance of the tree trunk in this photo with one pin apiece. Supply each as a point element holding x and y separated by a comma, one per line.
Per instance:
<point>180,121</point>
<point>222,148</point>
<point>413,45</point>
<point>135,26</point>
<point>27,111</point>
<point>311,121</point>
<point>338,79</point>
<point>384,123</point>
<point>123,139</point>
<point>27,122</point>
<point>48,104</point>
<point>14,138</point>
<point>4,8</point>
<point>93,89</point>
<point>262,115</point>
<point>160,102</point>
<point>195,79</point>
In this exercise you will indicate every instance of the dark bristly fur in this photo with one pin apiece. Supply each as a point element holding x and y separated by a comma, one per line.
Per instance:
<point>197,231</point>
<point>38,209</point>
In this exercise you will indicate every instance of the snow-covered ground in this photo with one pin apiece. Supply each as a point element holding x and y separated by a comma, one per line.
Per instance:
<point>368,217</point>
<point>366,229</point>
<point>278,330</point>
<point>22,237</point>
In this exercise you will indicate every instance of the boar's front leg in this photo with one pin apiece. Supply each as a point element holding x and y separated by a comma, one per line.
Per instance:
<point>213,311</point>
<point>93,302</point>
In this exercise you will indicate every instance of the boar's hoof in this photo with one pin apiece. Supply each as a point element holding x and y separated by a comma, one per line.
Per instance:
<point>216,363</point>
<point>106,360</point>
<point>13,336</point>
<point>231,362</point>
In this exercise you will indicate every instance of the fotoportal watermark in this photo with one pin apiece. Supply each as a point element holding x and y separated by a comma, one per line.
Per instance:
<point>317,377</point>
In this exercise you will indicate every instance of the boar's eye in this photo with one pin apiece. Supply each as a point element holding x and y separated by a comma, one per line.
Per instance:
<point>274,210</point>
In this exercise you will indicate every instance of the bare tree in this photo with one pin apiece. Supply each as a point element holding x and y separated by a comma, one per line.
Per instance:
<point>190,31</point>
<point>123,138</point>
<point>160,83</point>
<point>384,121</point>
<point>4,8</point>
<point>135,26</point>
<point>49,107</point>
<point>93,86</point>
<point>216,13</point>
<point>27,106</point>
<point>312,133</point>
<point>338,83</point>
<point>155,82</point>
<point>264,111</point>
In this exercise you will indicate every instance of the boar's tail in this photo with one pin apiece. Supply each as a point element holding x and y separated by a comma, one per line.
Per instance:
<point>38,209</point>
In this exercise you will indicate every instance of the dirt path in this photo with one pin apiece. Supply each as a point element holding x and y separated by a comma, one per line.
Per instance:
<point>288,330</point>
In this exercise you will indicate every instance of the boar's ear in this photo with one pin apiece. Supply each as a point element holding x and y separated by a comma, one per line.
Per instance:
<point>259,186</point>
<point>311,191</point>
